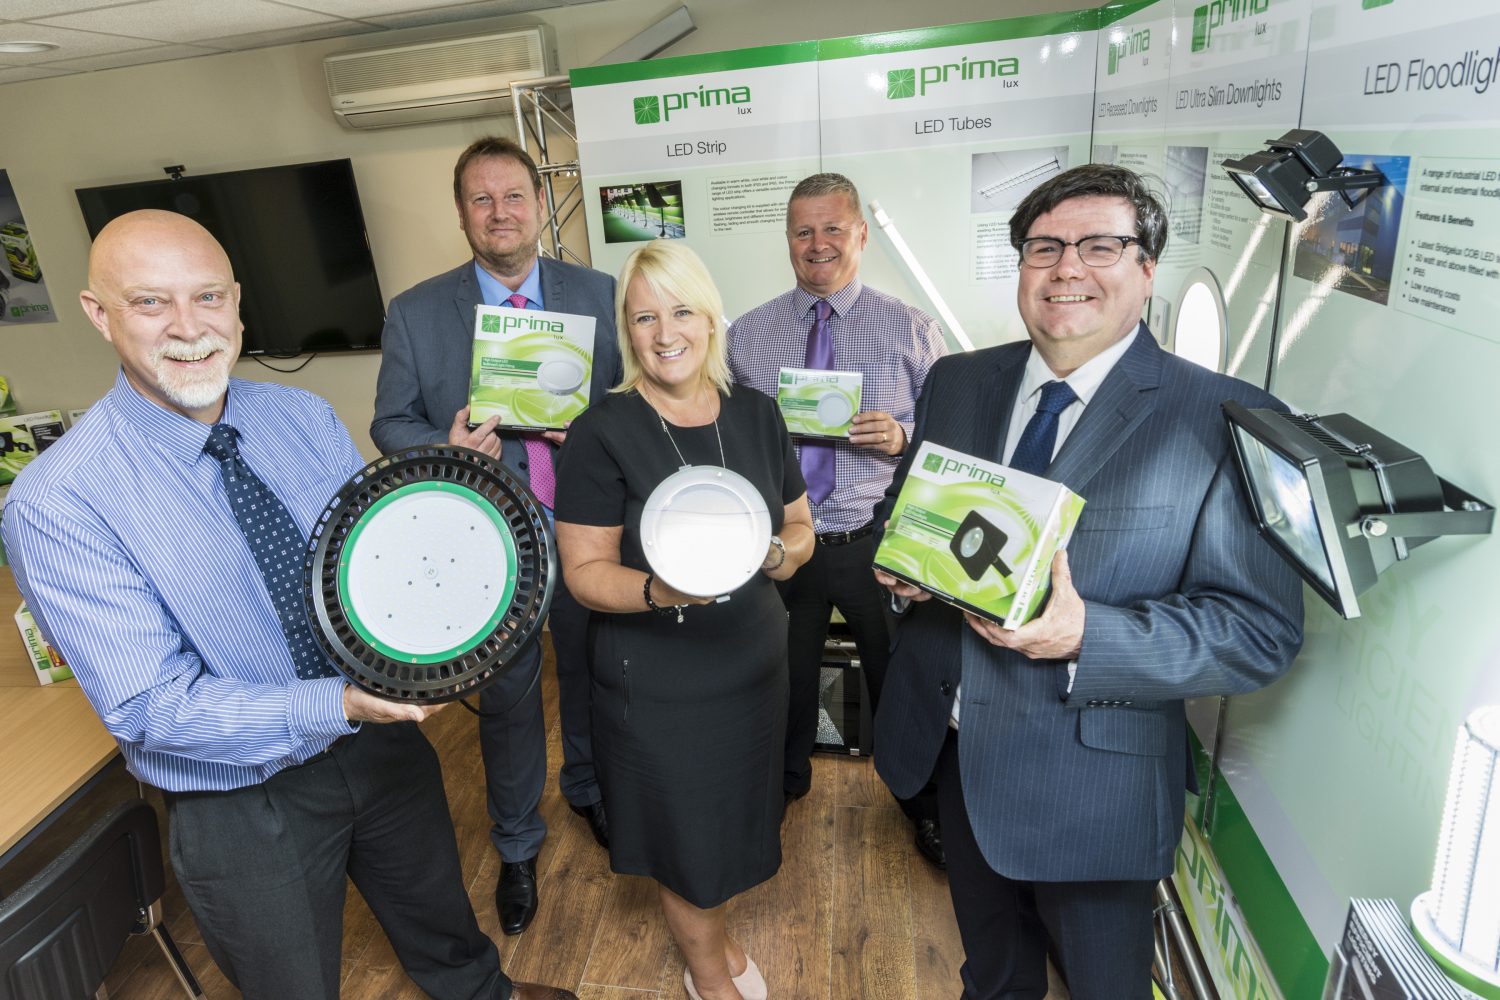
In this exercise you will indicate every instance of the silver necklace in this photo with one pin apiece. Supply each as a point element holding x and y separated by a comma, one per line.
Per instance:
<point>663,421</point>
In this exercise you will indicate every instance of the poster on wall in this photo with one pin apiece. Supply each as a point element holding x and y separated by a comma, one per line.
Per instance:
<point>704,149</point>
<point>1389,314</point>
<point>23,291</point>
<point>1130,111</point>
<point>947,129</point>
<point>1235,81</point>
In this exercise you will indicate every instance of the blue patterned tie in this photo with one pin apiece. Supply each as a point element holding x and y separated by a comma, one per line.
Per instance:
<point>277,544</point>
<point>1034,451</point>
<point>818,457</point>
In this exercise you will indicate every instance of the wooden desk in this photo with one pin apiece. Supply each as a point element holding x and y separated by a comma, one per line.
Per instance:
<point>51,742</point>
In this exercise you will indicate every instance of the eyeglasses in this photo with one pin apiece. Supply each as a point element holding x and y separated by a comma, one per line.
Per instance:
<point>834,233</point>
<point>1095,251</point>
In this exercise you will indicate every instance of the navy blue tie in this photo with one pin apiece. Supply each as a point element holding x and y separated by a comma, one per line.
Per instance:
<point>277,545</point>
<point>1034,451</point>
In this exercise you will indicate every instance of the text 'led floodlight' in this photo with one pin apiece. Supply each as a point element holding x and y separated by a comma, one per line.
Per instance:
<point>428,572</point>
<point>1340,501</point>
<point>1301,163</point>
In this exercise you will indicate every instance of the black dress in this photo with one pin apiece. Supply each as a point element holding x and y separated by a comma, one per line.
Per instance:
<point>688,718</point>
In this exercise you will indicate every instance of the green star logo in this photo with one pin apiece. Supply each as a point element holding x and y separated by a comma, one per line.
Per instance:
<point>647,110</point>
<point>933,463</point>
<point>1200,28</point>
<point>490,324</point>
<point>900,83</point>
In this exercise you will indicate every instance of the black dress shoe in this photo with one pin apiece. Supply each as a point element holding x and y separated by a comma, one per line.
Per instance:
<point>930,843</point>
<point>598,822</point>
<point>515,895</point>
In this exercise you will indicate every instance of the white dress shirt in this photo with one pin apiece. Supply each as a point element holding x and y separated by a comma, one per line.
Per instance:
<point>1085,381</point>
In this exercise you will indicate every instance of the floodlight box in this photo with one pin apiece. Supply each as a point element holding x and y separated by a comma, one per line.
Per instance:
<point>1340,501</point>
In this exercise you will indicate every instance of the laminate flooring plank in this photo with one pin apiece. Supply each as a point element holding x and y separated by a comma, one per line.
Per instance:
<point>555,948</point>
<point>871,953</point>
<point>593,991</point>
<point>633,944</point>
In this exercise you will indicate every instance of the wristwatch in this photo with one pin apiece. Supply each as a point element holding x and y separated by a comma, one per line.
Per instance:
<point>780,547</point>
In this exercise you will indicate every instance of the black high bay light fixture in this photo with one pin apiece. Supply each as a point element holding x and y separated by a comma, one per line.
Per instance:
<point>1282,178</point>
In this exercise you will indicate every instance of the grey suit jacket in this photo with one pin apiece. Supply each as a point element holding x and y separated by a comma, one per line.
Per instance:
<point>1183,599</point>
<point>427,350</point>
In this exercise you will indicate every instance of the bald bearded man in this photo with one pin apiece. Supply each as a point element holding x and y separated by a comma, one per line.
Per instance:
<point>140,543</point>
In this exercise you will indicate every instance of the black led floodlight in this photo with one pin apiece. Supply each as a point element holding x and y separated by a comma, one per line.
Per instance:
<point>1340,501</point>
<point>429,571</point>
<point>1301,163</point>
<point>977,545</point>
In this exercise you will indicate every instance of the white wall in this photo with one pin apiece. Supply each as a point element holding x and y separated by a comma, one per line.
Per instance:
<point>270,106</point>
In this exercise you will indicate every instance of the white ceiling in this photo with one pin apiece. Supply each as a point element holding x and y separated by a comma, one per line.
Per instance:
<point>100,34</point>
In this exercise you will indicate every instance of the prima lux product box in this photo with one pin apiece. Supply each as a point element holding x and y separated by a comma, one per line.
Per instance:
<point>531,367</point>
<point>49,664</point>
<point>977,534</point>
<point>818,403</point>
<point>24,437</point>
<point>1378,958</point>
<point>7,402</point>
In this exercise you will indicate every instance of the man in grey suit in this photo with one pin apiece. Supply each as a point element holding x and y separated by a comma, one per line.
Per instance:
<point>1060,748</point>
<point>422,398</point>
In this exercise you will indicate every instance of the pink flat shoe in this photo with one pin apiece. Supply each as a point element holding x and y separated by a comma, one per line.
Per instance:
<point>750,983</point>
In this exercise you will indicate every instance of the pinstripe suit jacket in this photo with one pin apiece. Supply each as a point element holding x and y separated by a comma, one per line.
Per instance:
<point>1183,599</point>
<point>427,350</point>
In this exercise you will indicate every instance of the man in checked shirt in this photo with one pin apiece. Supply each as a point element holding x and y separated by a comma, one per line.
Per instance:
<point>832,320</point>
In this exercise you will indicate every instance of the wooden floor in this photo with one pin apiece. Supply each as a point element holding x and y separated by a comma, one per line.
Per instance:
<point>854,914</point>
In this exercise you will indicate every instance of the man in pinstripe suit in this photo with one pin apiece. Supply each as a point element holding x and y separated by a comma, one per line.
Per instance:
<point>1060,748</point>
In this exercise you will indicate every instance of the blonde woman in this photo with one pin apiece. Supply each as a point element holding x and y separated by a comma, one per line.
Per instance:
<point>689,695</point>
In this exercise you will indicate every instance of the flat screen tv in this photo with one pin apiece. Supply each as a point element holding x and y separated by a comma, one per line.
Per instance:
<point>296,238</point>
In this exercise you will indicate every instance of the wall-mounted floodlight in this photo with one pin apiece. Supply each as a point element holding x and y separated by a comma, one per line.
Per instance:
<point>1342,502</point>
<point>1297,166</point>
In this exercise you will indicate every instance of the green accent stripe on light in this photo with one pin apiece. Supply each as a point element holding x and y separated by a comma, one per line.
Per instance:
<point>1291,951</point>
<point>1454,971</point>
<point>888,42</point>
<point>501,605</point>
<point>697,65</point>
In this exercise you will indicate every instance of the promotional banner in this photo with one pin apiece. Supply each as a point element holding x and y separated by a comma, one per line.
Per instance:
<point>1388,314</point>
<point>1235,80</point>
<point>947,129</point>
<point>23,292</point>
<point>704,149</point>
<point>1132,74</point>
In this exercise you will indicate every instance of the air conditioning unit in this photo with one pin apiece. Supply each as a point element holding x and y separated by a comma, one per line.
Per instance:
<point>439,80</point>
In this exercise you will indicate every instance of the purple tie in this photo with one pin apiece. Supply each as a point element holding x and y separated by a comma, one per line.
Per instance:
<point>538,451</point>
<point>818,456</point>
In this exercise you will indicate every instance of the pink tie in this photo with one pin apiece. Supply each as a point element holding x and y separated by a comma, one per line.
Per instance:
<point>538,451</point>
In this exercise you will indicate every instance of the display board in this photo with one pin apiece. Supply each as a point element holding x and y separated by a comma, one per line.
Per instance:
<point>946,128</point>
<point>1388,314</point>
<point>1332,780</point>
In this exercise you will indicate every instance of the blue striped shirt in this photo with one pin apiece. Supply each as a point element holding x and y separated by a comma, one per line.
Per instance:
<point>891,343</point>
<point>126,550</point>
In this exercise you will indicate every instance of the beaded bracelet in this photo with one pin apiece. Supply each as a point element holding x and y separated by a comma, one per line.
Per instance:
<point>651,602</point>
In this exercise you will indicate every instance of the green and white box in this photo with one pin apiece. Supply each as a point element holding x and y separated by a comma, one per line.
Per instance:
<point>24,437</point>
<point>531,367</point>
<point>977,534</point>
<point>818,403</point>
<point>7,401</point>
<point>48,662</point>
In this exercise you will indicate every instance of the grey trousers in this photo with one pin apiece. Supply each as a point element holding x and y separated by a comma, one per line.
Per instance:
<point>263,870</point>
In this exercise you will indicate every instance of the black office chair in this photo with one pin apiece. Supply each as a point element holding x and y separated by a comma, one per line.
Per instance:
<point>62,930</point>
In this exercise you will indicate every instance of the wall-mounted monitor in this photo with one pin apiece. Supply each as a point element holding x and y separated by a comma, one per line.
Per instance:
<point>296,237</point>
<point>1340,501</point>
